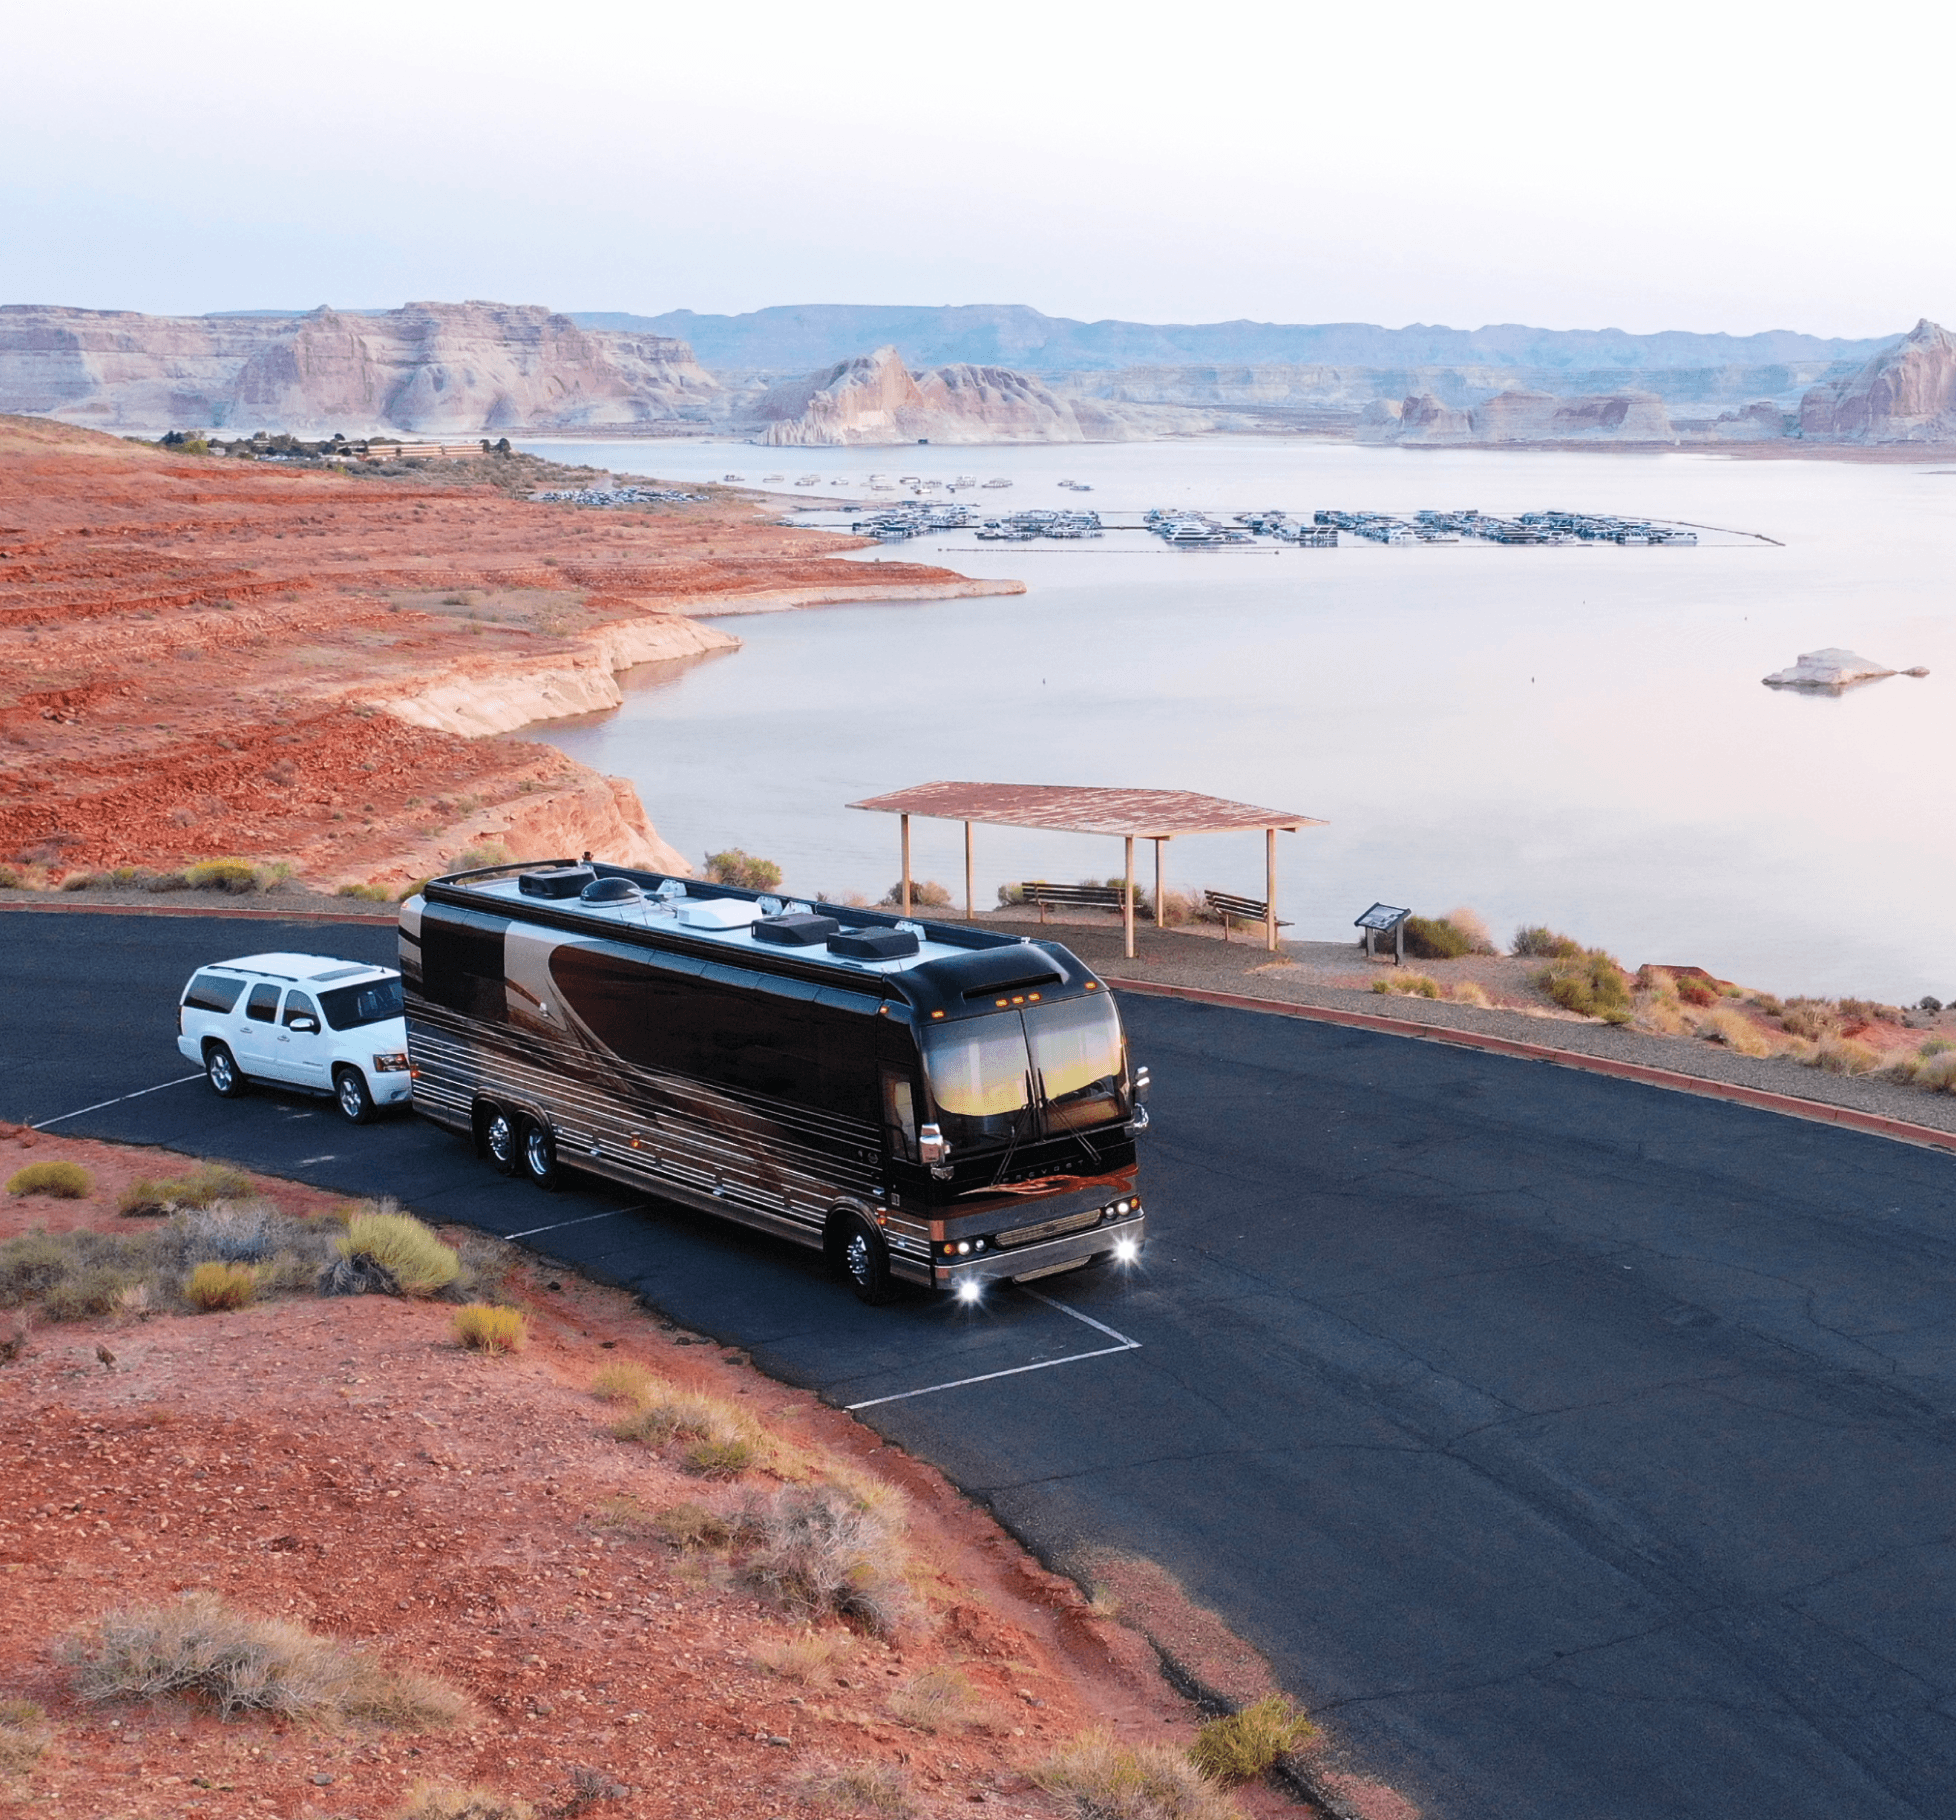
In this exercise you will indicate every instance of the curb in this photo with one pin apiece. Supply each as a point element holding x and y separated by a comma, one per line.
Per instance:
<point>1761,1099</point>
<point>269,916</point>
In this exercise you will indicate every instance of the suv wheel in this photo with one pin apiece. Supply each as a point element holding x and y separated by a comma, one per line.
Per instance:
<point>222,1071</point>
<point>540,1155</point>
<point>356,1104</point>
<point>863,1259</point>
<point>499,1139</point>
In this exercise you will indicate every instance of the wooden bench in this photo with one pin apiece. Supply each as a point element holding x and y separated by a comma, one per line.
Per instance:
<point>1071,897</point>
<point>1231,908</point>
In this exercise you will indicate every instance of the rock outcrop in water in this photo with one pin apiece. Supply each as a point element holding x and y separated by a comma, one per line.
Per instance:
<point>445,369</point>
<point>1522,416</point>
<point>1904,394</point>
<point>875,398</point>
<point>1832,670</point>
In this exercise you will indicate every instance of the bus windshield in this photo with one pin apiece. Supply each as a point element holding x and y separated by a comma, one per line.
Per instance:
<point>1076,1059</point>
<point>982,1073</point>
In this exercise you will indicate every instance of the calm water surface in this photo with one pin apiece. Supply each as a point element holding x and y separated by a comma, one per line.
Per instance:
<point>1575,736</point>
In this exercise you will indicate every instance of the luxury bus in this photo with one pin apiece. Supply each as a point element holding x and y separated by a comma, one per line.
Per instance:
<point>925,1103</point>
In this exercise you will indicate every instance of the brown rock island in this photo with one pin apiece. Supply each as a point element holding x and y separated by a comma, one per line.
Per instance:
<point>204,657</point>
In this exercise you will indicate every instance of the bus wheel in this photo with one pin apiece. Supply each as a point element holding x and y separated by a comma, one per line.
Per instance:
<point>499,1139</point>
<point>858,1249</point>
<point>540,1156</point>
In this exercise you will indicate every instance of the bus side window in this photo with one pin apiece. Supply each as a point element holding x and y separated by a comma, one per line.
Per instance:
<point>900,1116</point>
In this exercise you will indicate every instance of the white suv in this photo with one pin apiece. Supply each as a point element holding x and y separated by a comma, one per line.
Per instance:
<point>299,1020</point>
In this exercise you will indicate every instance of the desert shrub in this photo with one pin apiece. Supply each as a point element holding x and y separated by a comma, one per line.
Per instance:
<point>232,1232</point>
<point>1539,943</point>
<point>212,1287</point>
<point>941,1699</point>
<point>719,1457</point>
<point>372,894</point>
<point>879,1788</point>
<point>925,894</point>
<point>1870,1011</point>
<point>31,1265</point>
<point>736,866</point>
<point>11,878</point>
<point>820,1553</point>
<point>1011,894</point>
<point>236,876</point>
<point>1411,985</point>
<point>622,1381</point>
<point>1842,1055</point>
<point>1100,1778</point>
<point>391,1253</point>
<point>1812,1018</point>
<point>484,1327</point>
<point>426,1802</point>
<point>1695,991</point>
<point>1431,938</point>
<point>1469,992</point>
<point>715,1433</point>
<point>204,1186</point>
<point>201,1646</point>
<point>1736,1031</point>
<point>1937,1072</point>
<point>1592,986</point>
<point>85,1293</point>
<point>23,1736</point>
<point>805,1656</point>
<point>62,1181</point>
<point>1244,1745</point>
<point>1473,926</point>
<point>690,1526</point>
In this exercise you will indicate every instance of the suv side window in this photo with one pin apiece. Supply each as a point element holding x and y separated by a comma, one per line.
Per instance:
<point>212,992</point>
<point>262,1006</point>
<point>298,1005</point>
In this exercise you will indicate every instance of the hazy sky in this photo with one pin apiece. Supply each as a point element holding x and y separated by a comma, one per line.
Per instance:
<point>1704,166</point>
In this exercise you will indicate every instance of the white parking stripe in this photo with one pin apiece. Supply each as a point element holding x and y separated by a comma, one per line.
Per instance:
<point>1097,1326</point>
<point>62,1118</point>
<point>561,1224</point>
<point>986,1377</point>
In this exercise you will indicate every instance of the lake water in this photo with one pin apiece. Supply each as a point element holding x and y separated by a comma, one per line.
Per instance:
<point>1568,735</point>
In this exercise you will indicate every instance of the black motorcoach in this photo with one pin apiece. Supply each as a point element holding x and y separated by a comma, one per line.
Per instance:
<point>925,1102</point>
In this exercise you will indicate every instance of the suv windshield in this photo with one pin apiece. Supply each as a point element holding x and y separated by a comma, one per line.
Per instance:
<point>981,1072</point>
<point>348,1007</point>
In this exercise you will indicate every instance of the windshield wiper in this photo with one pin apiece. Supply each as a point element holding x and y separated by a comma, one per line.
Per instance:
<point>1006,1163</point>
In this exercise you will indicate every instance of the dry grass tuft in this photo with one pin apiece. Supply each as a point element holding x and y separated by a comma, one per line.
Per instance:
<point>1473,926</point>
<point>1842,1055</point>
<point>60,1181</point>
<point>23,1736</point>
<point>720,1439</point>
<point>1470,992</point>
<point>1245,1745</point>
<point>205,1186</point>
<point>806,1656</point>
<point>1591,985</point>
<point>1412,985</point>
<point>202,1646</point>
<point>879,1788</point>
<point>1099,1778</point>
<point>691,1526</point>
<point>941,1699</point>
<point>820,1553</point>
<point>1812,1018</point>
<point>393,1254</point>
<point>485,1327</point>
<point>623,1381</point>
<point>430,1803</point>
<point>1735,1031</point>
<point>212,1287</point>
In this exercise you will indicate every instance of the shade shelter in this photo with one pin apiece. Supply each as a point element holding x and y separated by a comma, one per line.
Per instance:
<point>1129,815</point>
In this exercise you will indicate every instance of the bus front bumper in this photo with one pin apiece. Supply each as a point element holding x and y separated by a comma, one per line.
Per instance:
<point>1121,1241</point>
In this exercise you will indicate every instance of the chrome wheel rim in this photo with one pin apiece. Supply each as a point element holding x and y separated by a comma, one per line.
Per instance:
<point>350,1096</point>
<point>537,1152</point>
<point>220,1069</point>
<point>498,1138</point>
<point>856,1256</point>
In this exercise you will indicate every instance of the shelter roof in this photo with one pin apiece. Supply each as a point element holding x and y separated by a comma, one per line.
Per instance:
<point>1086,809</point>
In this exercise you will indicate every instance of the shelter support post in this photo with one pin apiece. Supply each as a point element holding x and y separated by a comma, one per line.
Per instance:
<point>1161,920</point>
<point>1270,889</point>
<point>1127,899</point>
<point>969,913</point>
<point>904,820</point>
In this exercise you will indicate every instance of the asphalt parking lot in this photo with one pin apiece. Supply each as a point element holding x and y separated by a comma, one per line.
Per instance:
<point>1578,1449</point>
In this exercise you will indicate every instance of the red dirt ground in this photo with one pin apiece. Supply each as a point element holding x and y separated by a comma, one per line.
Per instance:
<point>342,1463</point>
<point>182,641</point>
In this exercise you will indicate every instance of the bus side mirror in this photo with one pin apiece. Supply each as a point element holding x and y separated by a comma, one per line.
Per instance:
<point>931,1145</point>
<point>1142,1083</point>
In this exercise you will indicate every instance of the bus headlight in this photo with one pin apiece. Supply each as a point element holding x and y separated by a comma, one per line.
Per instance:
<point>1126,1250</point>
<point>970,1290</point>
